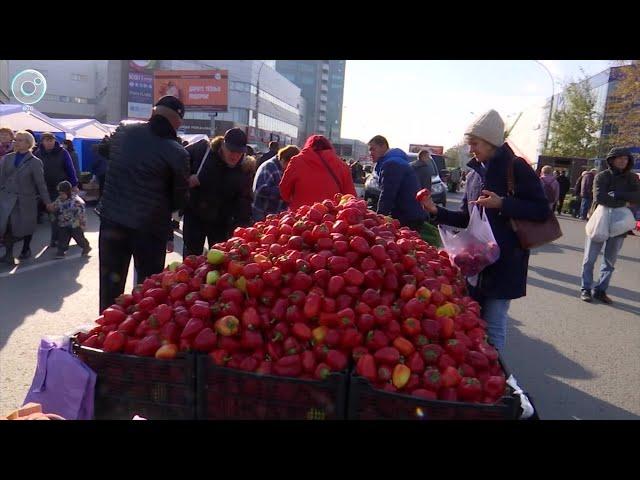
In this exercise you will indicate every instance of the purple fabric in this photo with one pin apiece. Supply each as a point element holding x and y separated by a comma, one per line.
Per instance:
<point>62,383</point>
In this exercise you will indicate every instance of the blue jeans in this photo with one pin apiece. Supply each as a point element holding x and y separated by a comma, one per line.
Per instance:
<point>592,249</point>
<point>585,205</point>
<point>494,312</point>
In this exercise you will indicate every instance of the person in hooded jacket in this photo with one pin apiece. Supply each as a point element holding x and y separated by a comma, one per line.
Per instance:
<point>220,191</point>
<point>58,167</point>
<point>506,279</point>
<point>315,174</point>
<point>615,187</point>
<point>146,181</point>
<point>398,184</point>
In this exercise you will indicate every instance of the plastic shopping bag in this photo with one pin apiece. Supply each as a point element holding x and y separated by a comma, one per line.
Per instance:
<point>597,228</point>
<point>621,221</point>
<point>474,248</point>
<point>62,384</point>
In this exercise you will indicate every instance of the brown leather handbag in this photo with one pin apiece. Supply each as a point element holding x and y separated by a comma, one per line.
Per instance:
<point>532,234</point>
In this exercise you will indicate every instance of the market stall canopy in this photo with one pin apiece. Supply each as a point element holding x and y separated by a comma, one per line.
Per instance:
<point>84,127</point>
<point>112,128</point>
<point>194,138</point>
<point>19,117</point>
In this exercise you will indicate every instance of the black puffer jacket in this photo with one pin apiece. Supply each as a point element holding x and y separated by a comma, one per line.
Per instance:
<point>224,195</point>
<point>146,178</point>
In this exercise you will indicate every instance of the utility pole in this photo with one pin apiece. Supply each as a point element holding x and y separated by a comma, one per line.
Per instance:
<point>258,97</point>
<point>553,93</point>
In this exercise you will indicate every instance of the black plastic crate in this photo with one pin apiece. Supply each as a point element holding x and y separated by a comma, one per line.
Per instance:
<point>128,385</point>
<point>369,403</point>
<point>229,394</point>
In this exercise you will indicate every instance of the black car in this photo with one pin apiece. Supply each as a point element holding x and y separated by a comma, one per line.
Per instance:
<point>438,188</point>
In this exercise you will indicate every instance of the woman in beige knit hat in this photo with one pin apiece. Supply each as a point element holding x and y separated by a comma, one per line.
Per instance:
<point>506,279</point>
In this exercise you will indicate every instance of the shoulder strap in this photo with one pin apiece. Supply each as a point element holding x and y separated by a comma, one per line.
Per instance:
<point>333,175</point>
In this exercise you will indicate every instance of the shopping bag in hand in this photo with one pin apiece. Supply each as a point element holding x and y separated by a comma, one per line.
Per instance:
<point>62,384</point>
<point>597,228</point>
<point>471,249</point>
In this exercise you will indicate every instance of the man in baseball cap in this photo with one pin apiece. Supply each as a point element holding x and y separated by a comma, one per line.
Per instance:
<point>235,140</point>
<point>146,182</point>
<point>171,108</point>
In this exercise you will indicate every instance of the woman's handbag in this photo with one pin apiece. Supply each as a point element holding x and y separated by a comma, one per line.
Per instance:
<point>532,234</point>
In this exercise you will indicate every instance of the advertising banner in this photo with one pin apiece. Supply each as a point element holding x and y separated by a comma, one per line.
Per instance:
<point>197,89</point>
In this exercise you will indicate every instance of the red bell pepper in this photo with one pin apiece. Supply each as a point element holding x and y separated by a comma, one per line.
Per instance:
<point>387,355</point>
<point>289,366</point>
<point>470,389</point>
<point>336,360</point>
<point>404,346</point>
<point>366,367</point>
<point>423,194</point>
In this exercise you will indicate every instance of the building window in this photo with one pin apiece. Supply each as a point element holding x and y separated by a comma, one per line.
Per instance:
<point>79,77</point>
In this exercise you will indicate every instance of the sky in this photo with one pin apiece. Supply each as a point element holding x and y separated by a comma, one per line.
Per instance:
<point>433,101</point>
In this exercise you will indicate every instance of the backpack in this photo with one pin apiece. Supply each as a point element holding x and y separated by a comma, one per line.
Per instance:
<point>549,192</point>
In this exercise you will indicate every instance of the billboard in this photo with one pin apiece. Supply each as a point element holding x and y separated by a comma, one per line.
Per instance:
<point>140,83</point>
<point>433,149</point>
<point>197,89</point>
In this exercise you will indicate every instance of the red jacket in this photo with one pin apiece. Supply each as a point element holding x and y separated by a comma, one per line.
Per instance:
<point>306,180</point>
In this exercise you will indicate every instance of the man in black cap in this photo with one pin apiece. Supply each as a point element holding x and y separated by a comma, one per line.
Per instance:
<point>220,196</point>
<point>146,181</point>
<point>615,187</point>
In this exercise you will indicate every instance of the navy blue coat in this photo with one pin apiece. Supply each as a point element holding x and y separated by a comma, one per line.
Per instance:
<point>398,188</point>
<point>506,278</point>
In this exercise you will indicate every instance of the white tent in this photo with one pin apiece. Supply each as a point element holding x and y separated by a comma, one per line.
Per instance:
<point>20,117</point>
<point>85,127</point>
<point>111,128</point>
<point>193,138</point>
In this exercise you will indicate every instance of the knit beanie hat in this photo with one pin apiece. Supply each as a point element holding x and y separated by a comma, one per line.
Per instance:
<point>489,127</point>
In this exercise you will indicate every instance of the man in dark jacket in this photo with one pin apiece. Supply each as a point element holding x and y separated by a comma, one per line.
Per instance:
<point>564,183</point>
<point>220,195</point>
<point>58,167</point>
<point>506,279</point>
<point>273,151</point>
<point>423,169</point>
<point>398,184</point>
<point>616,187</point>
<point>146,181</point>
<point>586,192</point>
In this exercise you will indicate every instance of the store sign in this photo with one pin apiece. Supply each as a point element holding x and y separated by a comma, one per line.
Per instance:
<point>197,89</point>
<point>140,84</point>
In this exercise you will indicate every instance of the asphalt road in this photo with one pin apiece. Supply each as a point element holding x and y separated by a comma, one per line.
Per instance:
<point>578,360</point>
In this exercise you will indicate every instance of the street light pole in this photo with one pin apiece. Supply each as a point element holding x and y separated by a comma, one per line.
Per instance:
<point>553,93</point>
<point>258,97</point>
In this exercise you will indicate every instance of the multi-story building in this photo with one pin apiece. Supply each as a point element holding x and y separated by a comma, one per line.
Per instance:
<point>603,87</point>
<point>352,149</point>
<point>260,100</point>
<point>75,88</point>
<point>322,84</point>
<point>4,81</point>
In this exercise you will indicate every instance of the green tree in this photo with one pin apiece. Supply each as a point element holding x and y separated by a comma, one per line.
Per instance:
<point>574,127</point>
<point>452,157</point>
<point>623,108</point>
